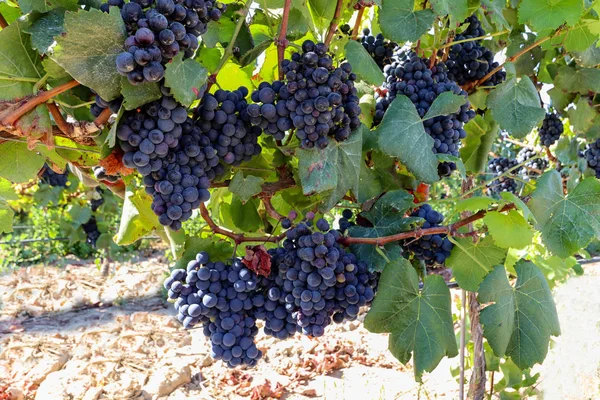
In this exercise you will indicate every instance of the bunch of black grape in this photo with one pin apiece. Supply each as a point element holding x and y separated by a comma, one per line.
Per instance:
<point>535,166</point>
<point>317,281</point>
<point>54,179</point>
<point>422,85</point>
<point>223,298</point>
<point>101,104</point>
<point>552,128</point>
<point>432,249</point>
<point>471,61</point>
<point>316,98</point>
<point>345,29</point>
<point>101,175</point>
<point>224,123</point>
<point>160,32</point>
<point>346,221</point>
<point>91,231</point>
<point>97,199</point>
<point>498,166</point>
<point>381,50</point>
<point>592,156</point>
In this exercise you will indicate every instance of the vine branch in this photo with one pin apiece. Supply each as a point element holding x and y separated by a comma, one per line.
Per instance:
<point>58,118</point>
<point>266,199</point>
<point>357,23</point>
<point>282,41</point>
<point>334,22</point>
<point>3,23</point>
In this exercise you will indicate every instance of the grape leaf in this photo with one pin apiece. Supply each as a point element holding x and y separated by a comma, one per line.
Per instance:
<point>45,29</point>
<point>567,223</point>
<point>245,187</point>
<point>481,133</point>
<point>522,318</point>
<point>470,262</point>
<point>245,217</point>
<point>17,163</point>
<point>474,204</point>
<point>582,116</point>
<point>219,249</point>
<point>232,76</point>
<point>578,80</point>
<point>402,135</point>
<point>445,104</point>
<point>89,47</point>
<point>185,78</point>
<point>510,197</point>
<point>508,229</point>
<point>363,64</point>
<point>36,123</point>
<point>137,96</point>
<point>11,12</point>
<point>578,38</point>
<point>549,14</point>
<point>321,11</point>
<point>589,57</point>
<point>399,21</point>
<point>515,105</point>
<point>420,321</point>
<point>45,5</point>
<point>251,56</point>
<point>6,191</point>
<point>17,60</point>
<point>6,218</point>
<point>137,218</point>
<point>458,10</point>
<point>494,9</point>
<point>560,99</point>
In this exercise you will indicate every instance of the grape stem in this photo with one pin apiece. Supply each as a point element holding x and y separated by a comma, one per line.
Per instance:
<point>438,230</point>
<point>266,199</point>
<point>491,35</point>
<point>282,41</point>
<point>3,23</point>
<point>357,23</point>
<point>58,118</point>
<point>237,237</point>
<point>334,22</point>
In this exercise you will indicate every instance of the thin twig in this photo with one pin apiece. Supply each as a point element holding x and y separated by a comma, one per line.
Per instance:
<point>3,23</point>
<point>266,199</point>
<point>357,23</point>
<point>282,41</point>
<point>334,22</point>
<point>491,35</point>
<point>102,119</point>
<point>58,118</point>
<point>550,155</point>
<point>520,144</point>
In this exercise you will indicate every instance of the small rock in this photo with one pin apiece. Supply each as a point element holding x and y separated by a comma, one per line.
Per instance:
<point>166,379</point>
<point>46,367</point>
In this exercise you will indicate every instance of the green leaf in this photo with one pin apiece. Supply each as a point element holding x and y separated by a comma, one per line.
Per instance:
<point>402,135</point>
<point>245,187</point>
<point>399,21</point>
<point>335,168</point>
<point>185,78</point>
<point>137,218</point>
<point>470,262</point>
<point>111,138</point>
<point>589,57</point>
<point>6,218</point>
<point>560,99</point>
<point>11,12</point>
<point>17,163</point>
<point>251,56</point>
<point>363,64</point>
<point>494,9</point>
<point>508,230</point>
<point>136,96</point>
<point>510,197</point>
<point>481,134</point>
<point>578,38</point>
<point>420,321</point>
<point>445,104</point>
<point>516,106</point>
<point>45,29</point>
<point>79,214</point>
<point>245,217</point>
<point>549,14</point>
<point>521,320</point>
<point>582,116</point>
<point>232,76</point>
<point>17,60</point>
<point>177,241</point>
<point>6,191</point>
<point>89,47</point>
<point>478,99</point>
<point>219,249</point>
<point>322,12</point>
<point>44,5</point>
<point>578,80</point>
<point>474,204</point>
<point>456,9</point>
<point>567,223</point>
<point>36,123</point>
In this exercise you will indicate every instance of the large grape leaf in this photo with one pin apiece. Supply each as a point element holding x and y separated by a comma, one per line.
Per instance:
<point>402,135</point>
<point>6,218</point>
<point>219,249</point>
<point>515,105</point>
<point>578,38</point>
<point>45,29</point>
<point>582,116</point>
<point>508,229</point>
<point>17,163</point>
<point>335,168</point>
<point>420,321</point>
<point>470,262</point>
<point>321,11</point>
<point>89,47</point>
<point>46,5</point>
<point>185,79</point>
<point>137,218</point>
<point>567,223</point>
<point>549,14</point>
<point>578,80</point>
<point>458,10</point>
<point>245,187</point>
<point>136,96</point>
<point>363,64</point>
<point>481,133</point>
<point>400,22</point>
<point>522,318</point>
<point>445,104</point>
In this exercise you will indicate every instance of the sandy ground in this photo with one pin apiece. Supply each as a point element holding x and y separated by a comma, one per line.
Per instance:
<point>70,334</point>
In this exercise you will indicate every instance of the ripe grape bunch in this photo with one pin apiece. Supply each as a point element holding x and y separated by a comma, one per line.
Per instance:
<point>222,298</point>
<point>471,61</point>
<point>535,166</point>
<point>413,78</point>
<point>100,105</point>
<point>316,99</point>
<point>381,50</point>
<point>552,128</point>
<point>498,166</point>
<point>432,249</point>
<point>158,32</point>
<point>54,179</point>
<point>91,231</point>
<point>592,156</point>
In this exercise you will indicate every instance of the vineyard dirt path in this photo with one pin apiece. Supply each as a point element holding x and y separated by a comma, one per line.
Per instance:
<point>67,333</point>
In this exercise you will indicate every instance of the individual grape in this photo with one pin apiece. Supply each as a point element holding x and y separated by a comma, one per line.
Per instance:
<point>552,128</point>
<point>432,249</point>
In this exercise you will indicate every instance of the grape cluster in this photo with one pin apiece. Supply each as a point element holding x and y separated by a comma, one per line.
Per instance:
<point>91,231</point>
<point>592,156</point>
<point>413,78</point>
<point>158,32</point>
<point>381,50</point>
<point>498,166</point>
<point>346,221</point>
<point>432,249</point>
<point>471,61</point>
<point>101,104</point>
<point>97,199</point>
<point>552,128</point>
<point>224,123</point>
<point>54,179</point>
<point>101,175</point>
<point>223,298</point>
<point>316,99</point>
<point>534,166</point>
